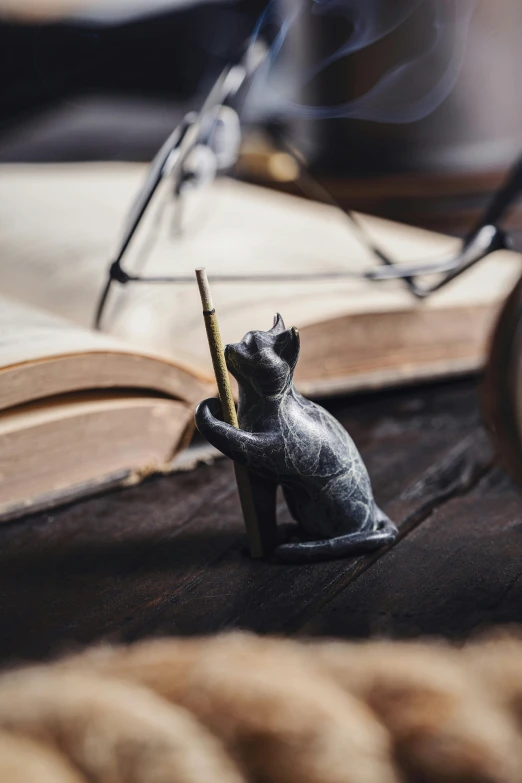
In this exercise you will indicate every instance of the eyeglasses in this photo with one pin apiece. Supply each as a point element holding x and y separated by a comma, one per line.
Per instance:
<point>207,144</point>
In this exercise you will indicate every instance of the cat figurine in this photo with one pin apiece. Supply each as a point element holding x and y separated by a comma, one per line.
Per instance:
<point>284,439</point>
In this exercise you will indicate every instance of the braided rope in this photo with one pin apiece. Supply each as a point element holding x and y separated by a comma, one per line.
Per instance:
<point>237,708</point>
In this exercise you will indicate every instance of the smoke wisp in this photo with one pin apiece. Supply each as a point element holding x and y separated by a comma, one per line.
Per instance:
<point>406,92</point>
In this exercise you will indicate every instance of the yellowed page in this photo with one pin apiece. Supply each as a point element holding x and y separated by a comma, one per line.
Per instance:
<point>59,226</point>
<point>42,354</point>
<point>29,334</point>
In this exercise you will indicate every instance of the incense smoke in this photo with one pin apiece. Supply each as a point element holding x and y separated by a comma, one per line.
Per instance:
<point>407,92</point>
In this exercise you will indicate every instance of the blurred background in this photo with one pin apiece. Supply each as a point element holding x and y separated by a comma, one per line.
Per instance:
<point>109,80</point>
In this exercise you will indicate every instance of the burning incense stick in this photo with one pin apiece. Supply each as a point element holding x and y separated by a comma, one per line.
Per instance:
<point>229,411</point>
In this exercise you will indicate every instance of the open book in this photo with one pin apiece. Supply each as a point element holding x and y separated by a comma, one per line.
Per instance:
<point>79,409</point>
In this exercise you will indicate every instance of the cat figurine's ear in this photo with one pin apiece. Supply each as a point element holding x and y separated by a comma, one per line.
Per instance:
<point>287,346</point>
<point>279,325</point>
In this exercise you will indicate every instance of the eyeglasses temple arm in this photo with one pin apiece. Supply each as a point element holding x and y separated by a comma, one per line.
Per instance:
<point>486,240</point>
<point>498,241</point>
<point>155,175</point>
<point>154,178</point>
<point>502,199</point>
<point>312,187</point>
<point>115,270</point>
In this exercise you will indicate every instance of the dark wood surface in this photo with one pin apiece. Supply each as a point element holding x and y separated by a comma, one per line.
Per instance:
<point>167,557</point>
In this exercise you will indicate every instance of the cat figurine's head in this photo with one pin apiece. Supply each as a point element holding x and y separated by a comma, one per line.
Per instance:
<point>265,360</point>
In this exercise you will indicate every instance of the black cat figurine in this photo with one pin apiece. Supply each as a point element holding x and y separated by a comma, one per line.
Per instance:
<point>284,439</point>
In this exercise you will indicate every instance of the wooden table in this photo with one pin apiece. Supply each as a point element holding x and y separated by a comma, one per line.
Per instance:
<point>167,557</point>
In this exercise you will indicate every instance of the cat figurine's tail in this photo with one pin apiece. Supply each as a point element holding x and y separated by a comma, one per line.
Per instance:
<point>384,533</point>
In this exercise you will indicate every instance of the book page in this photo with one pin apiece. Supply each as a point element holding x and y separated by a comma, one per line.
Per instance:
<point>59,227</point>
<point>28,334</point>
<point>42,354</point>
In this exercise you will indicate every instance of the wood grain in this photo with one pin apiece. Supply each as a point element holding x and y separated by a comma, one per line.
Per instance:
<point>168,556</point>
<point>457,574</point>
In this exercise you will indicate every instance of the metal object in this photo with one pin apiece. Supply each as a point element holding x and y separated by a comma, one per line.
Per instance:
<point>286,440</point>
<point>207,144</point>
<point>173,161</point>
<point>487,240</point>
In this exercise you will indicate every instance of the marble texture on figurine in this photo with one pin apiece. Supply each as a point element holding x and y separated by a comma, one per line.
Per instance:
<point>285,439</point>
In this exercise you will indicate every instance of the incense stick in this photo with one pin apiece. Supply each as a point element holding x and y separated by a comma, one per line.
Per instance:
<point>229,411</point>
